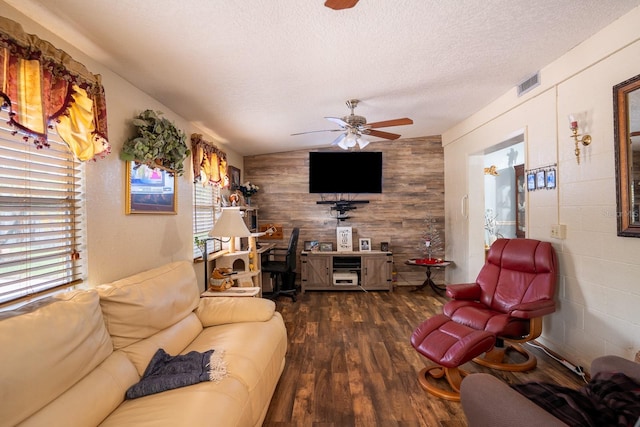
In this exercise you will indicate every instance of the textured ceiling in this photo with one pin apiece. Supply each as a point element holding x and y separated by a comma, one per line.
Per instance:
<point>252,72</point>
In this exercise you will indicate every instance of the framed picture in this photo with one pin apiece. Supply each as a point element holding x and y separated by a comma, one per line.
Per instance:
<point>310,245</point>
<point>384,246</point>
<point>344,239</point>
<point>326,246</point>
<point>234,178</point>
<point>365,245</point>
<point>540,180</point>
<point>531,181</point>
<point>150,190</point>
<point>551,178</point>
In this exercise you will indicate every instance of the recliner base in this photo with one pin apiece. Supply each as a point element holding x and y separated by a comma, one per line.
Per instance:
<point>495,359</point>
<point>454,377</point>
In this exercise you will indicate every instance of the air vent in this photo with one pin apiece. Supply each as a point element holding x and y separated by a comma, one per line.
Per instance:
<point>529,84</point>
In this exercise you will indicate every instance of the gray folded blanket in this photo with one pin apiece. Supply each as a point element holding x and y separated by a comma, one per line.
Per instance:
<point>167,372</point>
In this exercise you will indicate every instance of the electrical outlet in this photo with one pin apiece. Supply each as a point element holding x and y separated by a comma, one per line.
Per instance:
<point>559,231</point>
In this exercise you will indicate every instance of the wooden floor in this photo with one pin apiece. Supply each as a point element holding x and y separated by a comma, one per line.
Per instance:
<point>350,363</point>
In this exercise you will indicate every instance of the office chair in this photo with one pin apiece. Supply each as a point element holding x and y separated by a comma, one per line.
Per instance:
<point>283,268</point>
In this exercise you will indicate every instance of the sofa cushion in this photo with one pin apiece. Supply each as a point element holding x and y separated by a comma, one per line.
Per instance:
<point>54,343</point>
<point>141,305</point>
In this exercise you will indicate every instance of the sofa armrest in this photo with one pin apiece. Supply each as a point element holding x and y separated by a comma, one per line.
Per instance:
<point>489,402</point>
<point>222,310</point>
<point>464,291</point>
<point>616,364</point>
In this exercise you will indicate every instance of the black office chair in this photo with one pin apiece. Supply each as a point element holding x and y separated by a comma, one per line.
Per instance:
<point>283,268</point>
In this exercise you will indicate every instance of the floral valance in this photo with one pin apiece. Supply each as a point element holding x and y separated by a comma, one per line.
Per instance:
<point>42,86</point>
<point>208,160</point>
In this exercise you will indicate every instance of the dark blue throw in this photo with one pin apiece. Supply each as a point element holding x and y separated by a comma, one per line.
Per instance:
<point>167,372</point>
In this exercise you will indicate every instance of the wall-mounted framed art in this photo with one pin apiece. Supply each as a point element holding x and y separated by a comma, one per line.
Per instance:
<point>551,179</point>
<point>540,180</point>
<point>234,178</point>
<point>531,181</point>
<point>150,190</point>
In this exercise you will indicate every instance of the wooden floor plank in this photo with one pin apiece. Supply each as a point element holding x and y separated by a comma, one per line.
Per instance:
<point>350,363</point>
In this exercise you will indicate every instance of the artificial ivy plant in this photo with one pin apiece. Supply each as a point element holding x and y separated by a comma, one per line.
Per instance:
<point>158,142</point>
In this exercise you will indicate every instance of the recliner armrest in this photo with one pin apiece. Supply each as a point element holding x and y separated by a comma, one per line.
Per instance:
<point>464,291</point>
<point>530,310</point>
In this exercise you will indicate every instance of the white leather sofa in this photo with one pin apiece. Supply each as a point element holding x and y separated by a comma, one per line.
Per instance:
<point>68,360</point>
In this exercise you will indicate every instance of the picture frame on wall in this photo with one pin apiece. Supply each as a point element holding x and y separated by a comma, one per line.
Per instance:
<point>234,178</point>
<point>531,181</point>
<point>551,179</point>
<point>540,180</point>
<point>365,245</point>
<point>150,190</point>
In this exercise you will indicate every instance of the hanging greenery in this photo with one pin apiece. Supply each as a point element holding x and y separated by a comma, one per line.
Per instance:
<point>158,143</point>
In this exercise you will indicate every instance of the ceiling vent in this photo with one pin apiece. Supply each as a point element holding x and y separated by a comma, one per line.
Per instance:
<point>528,84</point>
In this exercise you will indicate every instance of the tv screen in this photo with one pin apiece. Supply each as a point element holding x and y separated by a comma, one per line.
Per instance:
<point>345,172</point>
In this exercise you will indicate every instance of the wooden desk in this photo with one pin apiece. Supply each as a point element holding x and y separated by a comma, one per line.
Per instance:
<point>429,264</point>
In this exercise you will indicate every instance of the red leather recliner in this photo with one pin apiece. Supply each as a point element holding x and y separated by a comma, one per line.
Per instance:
<point>514,289</point>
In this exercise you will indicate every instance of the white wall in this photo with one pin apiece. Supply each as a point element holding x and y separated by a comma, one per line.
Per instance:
<point>117,244</point>
<point>599,287</point>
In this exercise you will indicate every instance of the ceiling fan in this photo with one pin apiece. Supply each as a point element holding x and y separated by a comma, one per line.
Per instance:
<point>354,128</point>
<point>340,4</point>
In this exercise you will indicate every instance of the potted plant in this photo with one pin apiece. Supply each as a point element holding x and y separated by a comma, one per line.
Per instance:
<point>158,143</point>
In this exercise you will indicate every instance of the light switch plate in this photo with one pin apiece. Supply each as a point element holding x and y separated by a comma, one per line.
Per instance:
<point>559,231</point>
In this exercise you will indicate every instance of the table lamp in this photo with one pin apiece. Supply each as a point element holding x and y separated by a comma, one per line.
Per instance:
<point>231,225</point>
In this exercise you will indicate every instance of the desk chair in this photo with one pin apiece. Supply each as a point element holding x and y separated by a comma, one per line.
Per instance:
<point>283,268</point>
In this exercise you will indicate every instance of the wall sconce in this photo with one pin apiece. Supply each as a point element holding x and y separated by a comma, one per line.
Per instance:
<point>585,140</point>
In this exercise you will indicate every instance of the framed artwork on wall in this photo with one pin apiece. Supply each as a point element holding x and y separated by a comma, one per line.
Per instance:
<point>150,190</point>
<point>234,178</point>
<point>551,178</point>
<point>540,180</point>
<point>531,181</point>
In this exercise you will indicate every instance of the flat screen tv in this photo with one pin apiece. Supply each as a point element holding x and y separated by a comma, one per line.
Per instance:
<point>345,172</point>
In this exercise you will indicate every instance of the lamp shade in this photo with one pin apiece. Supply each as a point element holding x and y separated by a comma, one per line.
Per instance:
<point>230,224</point>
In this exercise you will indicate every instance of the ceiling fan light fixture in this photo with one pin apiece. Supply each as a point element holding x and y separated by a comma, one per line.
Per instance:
<point>362,142</point>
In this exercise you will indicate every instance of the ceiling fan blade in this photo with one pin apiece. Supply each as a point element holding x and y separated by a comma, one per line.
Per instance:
<point>388,123</point>
<point>316,131</point>
<point>381,134</point>
<point>338,121</point>
<point>340,4</point>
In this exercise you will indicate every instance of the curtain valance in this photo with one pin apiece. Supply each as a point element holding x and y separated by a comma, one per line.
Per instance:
<point>210,160</point>
<point>42,86</point>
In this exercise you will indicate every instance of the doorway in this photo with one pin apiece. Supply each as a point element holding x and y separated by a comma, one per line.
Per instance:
<point>504,204</point>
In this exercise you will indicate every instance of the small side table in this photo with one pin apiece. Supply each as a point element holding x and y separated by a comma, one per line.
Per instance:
<point>429,264</point>
<point>233,292</point>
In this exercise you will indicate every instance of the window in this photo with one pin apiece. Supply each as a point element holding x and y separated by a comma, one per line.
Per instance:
<point>41,215</point>
<point>206,206</point>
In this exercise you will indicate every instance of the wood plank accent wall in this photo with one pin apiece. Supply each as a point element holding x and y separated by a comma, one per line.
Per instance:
<point>413,187</point>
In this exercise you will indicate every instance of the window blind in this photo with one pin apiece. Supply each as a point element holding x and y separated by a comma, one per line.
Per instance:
<point>41,215</point>
<point>206,205</point>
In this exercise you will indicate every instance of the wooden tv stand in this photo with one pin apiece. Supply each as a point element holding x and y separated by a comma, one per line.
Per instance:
<point>345,271</point>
